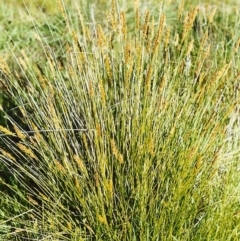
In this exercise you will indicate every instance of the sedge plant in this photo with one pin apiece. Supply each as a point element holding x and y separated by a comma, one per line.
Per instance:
<point>130,134</point>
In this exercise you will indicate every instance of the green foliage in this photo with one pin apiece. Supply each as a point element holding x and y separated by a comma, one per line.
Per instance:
<point>125,127</point>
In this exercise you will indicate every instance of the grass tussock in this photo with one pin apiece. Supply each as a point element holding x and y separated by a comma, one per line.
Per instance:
<point>128,131</point>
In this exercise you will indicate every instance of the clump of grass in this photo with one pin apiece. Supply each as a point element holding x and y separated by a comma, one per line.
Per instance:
<point>126,138</point>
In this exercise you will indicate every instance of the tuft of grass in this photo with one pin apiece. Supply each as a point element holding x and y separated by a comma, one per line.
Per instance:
<point>126,129</point>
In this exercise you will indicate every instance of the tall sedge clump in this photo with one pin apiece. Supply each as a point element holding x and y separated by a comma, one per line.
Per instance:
<point>124,137</point>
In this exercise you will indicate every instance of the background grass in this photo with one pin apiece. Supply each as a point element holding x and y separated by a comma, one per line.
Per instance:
<point>110,135</point>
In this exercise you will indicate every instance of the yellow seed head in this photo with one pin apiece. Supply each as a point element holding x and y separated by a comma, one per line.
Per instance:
<point>137,18</point>
<point>101,39</point>
<point>80,163</point>
<point>102,93</point>
<point>45,198</point>
<point>113,147</point>
<point>75,38</point>
<point>4,86</point>
<point>4,66</point>
<point>198,165</point>
<point>188,22</point>
<point>22,63</point>
<point>120,158</point>
<point>71,70</point>
<point>159,32</point>
<point>6,131</point>
<point>59,166</point>
<point>61,8</point>
<point>127,53</point>
<point>82,22</point>
<point>91,89</point>
<point>26,150</point>
<point>190,47</point>
<point>23,111</point>
<point>108,66</point>
<point>150,32</point>
<point>116,152</point>
<point>51,65</point>
<point>33,141</point>
<point>19,133</point>
<point>110,186</point>
<point>123,25</point>
<point>139,59</point>
<point>42,80</point>
<point>68,48</point>
<point>7,154</point>
<point>69,225</point>
<point>204,39</point>
<point>212,14</point>
<point>149,78</point>
<point>166,39</point>
<point>180,9</point>
<point>96,179</point>
<point>207,52</point>
<point>151,147</point>
<point>78,185</point>
<point>146,24</point>
<point>114,19</point>
<point>163,80</point>
<point>31,200</point>
<point>220,73</point>
<point>98,130</point>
